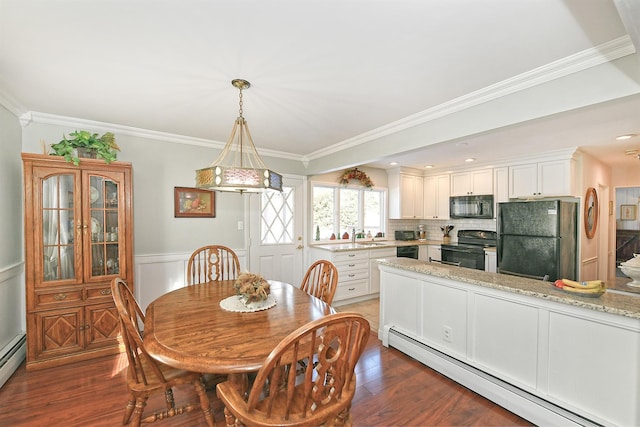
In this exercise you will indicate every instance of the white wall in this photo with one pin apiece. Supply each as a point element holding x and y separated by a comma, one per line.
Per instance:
<point>12,300</point>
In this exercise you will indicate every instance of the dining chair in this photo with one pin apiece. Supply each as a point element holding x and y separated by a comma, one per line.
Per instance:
<point>322,394</point>
<point>321,280</point>
<point>212,262</point>
<point>146,376</point>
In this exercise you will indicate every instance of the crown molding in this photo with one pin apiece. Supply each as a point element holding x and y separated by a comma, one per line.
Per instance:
<point>36,117</point>
<point>11,104</point>
<point>580,61</point>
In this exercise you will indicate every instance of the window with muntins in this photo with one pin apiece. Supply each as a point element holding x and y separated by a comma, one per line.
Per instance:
<point>339,209</point>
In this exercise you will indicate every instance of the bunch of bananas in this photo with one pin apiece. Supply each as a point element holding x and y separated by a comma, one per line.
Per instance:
<point>591,287</point>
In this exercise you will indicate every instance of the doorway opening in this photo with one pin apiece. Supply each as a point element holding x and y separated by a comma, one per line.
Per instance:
<point>627,230</point>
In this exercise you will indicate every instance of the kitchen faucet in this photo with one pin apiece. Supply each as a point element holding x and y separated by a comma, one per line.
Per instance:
<point>353,235</point>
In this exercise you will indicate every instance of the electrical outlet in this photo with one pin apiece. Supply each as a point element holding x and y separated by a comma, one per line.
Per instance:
<point>447,333</point>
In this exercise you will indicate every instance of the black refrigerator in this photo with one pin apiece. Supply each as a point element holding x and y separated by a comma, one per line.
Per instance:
<point>538,239</point>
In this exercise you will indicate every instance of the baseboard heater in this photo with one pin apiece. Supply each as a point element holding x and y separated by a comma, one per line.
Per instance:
<point>12,356</point>
<point>510,397</point>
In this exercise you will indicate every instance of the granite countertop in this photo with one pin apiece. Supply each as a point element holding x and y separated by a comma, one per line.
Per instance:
<point>627,305</point>
<point>362,244</point>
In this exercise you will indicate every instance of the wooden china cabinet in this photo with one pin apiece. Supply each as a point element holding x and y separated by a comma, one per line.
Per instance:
<point>78,237</point>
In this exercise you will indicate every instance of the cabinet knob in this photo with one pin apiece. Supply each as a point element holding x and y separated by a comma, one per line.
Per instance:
<point>60,297</point>
<point>105,292</point>
<point>352,289</point>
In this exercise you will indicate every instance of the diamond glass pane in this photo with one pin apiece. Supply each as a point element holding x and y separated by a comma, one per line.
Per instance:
<point>277,213</point>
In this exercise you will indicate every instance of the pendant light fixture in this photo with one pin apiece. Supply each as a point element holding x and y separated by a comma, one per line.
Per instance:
<point>239,167</point>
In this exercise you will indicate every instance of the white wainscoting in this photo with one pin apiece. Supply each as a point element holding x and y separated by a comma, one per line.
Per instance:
<point>12,320</point>
<point>156,275</point>
<point>589,269</point>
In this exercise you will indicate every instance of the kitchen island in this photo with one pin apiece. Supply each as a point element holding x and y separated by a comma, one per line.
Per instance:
<point>551,357</point>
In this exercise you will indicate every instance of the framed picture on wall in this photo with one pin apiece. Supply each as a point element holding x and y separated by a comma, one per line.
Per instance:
<point>628,212</point>
<point>194,203</point>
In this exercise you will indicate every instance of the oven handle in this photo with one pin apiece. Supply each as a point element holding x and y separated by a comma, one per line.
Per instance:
<point>457,264</point>
<point>464,251</point>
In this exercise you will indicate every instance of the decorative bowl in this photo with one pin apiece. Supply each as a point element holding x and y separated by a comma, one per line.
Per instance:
<point>631,268</point>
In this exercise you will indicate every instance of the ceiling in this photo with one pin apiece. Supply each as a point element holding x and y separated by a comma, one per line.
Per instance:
<point>323,73</point>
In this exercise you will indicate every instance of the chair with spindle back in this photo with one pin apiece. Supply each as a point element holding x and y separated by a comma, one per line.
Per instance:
<point>213,262</point>
<point>321,280</point>
<point>145,375</point>
<point>321,395</point>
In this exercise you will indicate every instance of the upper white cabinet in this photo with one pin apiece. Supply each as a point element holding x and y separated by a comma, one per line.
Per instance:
<point>405,195</point>
<point>472,182</point>
<point>436,196</point>
<point>500,187</point>
<point>543,179</point>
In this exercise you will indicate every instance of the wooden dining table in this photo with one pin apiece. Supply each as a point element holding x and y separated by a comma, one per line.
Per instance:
<point>188,329</point>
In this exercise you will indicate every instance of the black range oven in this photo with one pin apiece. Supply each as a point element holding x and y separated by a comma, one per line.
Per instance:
<point>469,250</point>
<point>410,251</point>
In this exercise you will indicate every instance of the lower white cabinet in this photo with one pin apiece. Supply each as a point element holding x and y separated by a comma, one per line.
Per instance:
<point>358,274</point>
<point>434,252</point>
<point>583,361</point>
<point>491,261</point>
<point>374,271</point>
<point>353,274</point>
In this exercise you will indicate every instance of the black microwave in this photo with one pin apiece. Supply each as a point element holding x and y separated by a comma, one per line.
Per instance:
<point>471,206</point>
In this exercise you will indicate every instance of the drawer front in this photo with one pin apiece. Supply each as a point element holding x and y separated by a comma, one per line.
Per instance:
<point>98,293</point>
<point>56,298</point>
<point>349,275</point>
<point>351,290</point>
<point>350,256</point>
<point>356,264</point>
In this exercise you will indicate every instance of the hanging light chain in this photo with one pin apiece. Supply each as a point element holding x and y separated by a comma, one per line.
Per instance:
<point>240,102</point>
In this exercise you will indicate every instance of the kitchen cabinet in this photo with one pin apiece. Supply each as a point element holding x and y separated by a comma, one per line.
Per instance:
<point>78,237</point>
<point>374,271</point>
<point>477,182</point>
<point>405,195</point>
<point>353,274</point>
<point>436,196</point>
<point>358,274</point>
<point>542,179</point>
<point>353,271</point>
<point>434,253</point>
<point>500,187</point>
<point>490,260</point>
<point>423,253</point>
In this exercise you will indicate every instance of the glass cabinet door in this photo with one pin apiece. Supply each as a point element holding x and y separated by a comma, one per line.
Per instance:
<point>61,226</point>
<point>105,215</point>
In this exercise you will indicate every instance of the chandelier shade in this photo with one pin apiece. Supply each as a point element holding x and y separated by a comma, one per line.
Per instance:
<point>239,168</point>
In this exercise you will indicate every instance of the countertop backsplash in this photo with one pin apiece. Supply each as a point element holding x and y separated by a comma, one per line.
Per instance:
<point>432,227</point>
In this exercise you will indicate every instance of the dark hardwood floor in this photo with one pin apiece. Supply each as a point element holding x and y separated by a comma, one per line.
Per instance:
<point>393,390</point>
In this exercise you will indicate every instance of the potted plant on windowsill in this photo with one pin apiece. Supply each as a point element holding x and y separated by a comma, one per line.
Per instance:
<point>87,145</point>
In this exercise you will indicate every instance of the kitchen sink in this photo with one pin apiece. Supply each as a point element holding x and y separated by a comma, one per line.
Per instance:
<point>369,245</point>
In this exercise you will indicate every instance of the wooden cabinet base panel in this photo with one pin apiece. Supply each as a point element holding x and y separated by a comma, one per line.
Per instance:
<point>37,365</point>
